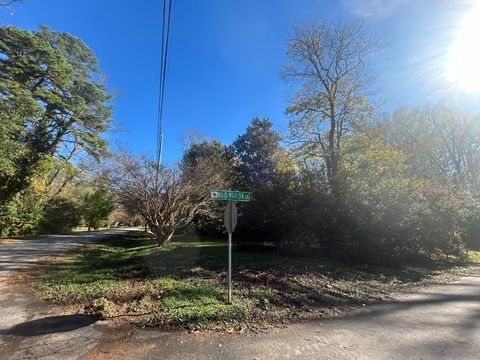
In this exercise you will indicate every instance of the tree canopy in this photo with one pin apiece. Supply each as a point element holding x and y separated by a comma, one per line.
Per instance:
<point>255,151</point>
<point>53,101</point>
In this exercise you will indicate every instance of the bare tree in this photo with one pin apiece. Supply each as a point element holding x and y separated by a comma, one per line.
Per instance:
<point>168,201</point>
<point>191,137</point>
<point>330,64</point>
<point>442,143</point>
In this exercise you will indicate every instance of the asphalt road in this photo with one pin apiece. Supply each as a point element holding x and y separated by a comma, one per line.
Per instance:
<point>29,329</point>
<point>439,322</point>
<point>17,254</point>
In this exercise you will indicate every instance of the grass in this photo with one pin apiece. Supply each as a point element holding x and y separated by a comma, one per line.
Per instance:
<point>129,275</point>
<point>183,285</point>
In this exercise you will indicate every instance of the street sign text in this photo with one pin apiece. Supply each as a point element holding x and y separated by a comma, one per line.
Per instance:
<point>227,195</point>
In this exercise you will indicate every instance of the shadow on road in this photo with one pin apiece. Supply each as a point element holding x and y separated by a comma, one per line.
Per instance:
<point>406,305</point>
<point>50,325</point>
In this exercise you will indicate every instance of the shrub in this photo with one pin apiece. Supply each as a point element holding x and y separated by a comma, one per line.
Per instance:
<point>60,216</point>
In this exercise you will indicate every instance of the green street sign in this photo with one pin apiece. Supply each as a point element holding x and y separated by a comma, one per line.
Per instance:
<point>227,195</point>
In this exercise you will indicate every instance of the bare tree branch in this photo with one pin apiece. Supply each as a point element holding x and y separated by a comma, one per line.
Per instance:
<point>167,202</point>
<point>330,64</point>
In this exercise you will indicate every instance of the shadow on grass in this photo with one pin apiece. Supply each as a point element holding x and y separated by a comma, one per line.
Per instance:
<point>275,271</point>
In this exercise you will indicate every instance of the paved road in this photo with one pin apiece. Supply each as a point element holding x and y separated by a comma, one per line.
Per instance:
<point>17,254</point>
<point>440,322</point>
<point>18,307</point>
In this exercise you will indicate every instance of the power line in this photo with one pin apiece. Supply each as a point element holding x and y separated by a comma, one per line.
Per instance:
<point>159,119</point>
<point>166,20</point>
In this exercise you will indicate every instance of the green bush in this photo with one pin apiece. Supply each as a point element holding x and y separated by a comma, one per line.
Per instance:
<point>20,215</point>
<point>60,216</point>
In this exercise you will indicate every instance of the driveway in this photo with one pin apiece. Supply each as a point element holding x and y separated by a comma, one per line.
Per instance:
<point>438,322</point>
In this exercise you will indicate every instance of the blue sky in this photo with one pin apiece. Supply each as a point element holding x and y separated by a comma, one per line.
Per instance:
<point>226,57</point>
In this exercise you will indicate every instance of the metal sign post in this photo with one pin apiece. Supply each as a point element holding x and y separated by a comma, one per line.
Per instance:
<point>229,268</point>
<point>230,221</point>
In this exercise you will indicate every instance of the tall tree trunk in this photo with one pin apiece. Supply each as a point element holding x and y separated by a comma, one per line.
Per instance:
<point>332,154</point>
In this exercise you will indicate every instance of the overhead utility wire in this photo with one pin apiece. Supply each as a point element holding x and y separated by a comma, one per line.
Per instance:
<point>166,20</point>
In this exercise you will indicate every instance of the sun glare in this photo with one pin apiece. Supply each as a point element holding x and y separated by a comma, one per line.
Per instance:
<point>463,60</point>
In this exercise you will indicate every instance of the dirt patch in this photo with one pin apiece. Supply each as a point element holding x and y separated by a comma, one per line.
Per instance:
<point>8,241</point>
<point>118,350</point>
<point>116,342</point>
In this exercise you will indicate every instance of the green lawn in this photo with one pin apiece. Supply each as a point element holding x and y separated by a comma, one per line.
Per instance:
<point>183,285</point>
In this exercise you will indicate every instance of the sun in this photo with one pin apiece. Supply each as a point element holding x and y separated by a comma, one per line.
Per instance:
<point>463,58</point>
